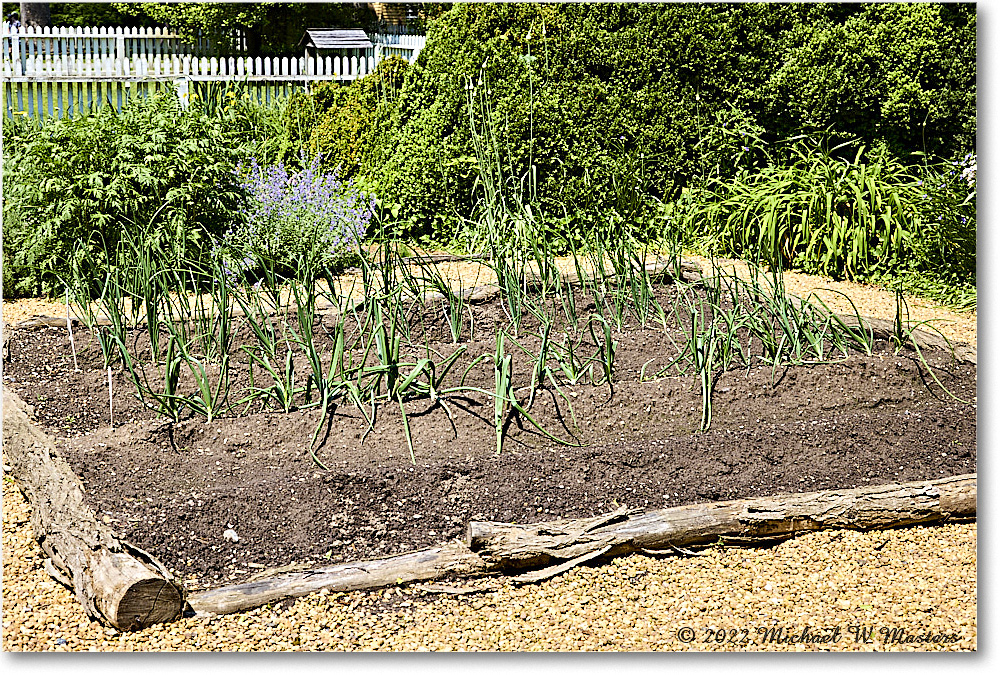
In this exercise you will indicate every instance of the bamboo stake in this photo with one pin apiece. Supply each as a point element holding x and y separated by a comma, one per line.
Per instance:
<point>111,412</point>
<point>69,327</point>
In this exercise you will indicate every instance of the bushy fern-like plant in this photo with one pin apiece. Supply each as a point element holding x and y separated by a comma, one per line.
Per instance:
<point>73,186</point>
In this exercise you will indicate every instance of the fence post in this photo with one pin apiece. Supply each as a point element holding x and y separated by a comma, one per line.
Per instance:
<point>182,84</point>
<point>17,52</point>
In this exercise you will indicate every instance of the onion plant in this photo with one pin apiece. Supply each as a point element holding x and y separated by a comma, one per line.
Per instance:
<point>903,335</point>
<point>453,303</point>
<point>504,398</point>
<point>503,393</point>
<point>606,349</point>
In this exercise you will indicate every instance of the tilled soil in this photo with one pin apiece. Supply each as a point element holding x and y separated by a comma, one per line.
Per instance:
<point>174,489</point>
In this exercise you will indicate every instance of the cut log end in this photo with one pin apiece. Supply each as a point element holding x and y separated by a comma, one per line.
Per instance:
<point>148,602</point>
<point>108,579</point>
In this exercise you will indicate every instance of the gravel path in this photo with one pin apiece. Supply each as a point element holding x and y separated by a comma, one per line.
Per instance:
<point>905,586</point>
<point>921,581</point>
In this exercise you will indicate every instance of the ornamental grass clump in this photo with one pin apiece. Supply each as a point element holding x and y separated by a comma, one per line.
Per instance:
<point>293,220</point>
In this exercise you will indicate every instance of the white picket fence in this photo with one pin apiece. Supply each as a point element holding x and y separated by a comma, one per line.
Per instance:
<point>60,52</point>
<point>39,67</point>
<point>176,66</point>
<point>18,44</point>
<point>404,46</point>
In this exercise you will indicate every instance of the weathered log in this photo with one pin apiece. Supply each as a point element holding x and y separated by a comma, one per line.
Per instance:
<point>433,563</point>
<point>40,320</point>
<point>113,580</point>
<point>501,547</point>
<point>505,547</point>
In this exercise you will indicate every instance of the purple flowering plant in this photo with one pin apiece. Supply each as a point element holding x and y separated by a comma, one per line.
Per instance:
<point>292,219</point>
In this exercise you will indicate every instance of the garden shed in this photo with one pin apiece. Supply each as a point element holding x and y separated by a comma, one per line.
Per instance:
<point>336,42</point>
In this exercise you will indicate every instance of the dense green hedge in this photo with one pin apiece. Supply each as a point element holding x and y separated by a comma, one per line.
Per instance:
<point>903,75</point>
<point>349,119</point>
<point>604,98</point>
<point>576,90</point>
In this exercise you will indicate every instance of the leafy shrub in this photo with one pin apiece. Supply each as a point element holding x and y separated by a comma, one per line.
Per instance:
<point>350,118</point>
<point>72,186</point>
<point>902,75</point>
<point>551,110</point>
<point>298,118</point>
<point>862,218</point>
<point>585,93</point>
<point>948,206</point>
<point>256,126</point>
<point>306,219</point>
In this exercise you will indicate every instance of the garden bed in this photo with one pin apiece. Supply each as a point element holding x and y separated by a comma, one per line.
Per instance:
<point>175,488</point>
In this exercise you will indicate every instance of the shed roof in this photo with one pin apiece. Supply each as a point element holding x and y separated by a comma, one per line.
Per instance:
<point>336,38</point>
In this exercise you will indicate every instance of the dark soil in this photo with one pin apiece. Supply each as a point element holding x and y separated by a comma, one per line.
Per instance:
<point>174,488</point>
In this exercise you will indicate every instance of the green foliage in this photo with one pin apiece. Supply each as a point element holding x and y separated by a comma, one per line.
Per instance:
<point>948,206</point>
<point>607,100</point>
<point>298,117</point>
<point>93,14</point>
<point>899,74</point>
<point>580,92</point>
<point>352,118</point>
<point>216,19</point>
<point>258,127</point>
<point>269,27</point>
<point>73,186</point>
<point>860,218</point>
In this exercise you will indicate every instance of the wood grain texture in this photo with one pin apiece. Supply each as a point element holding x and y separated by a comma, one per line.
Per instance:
<point>557,546</point>
<point>113,580</point>
<point>506,547</point>
<point>428,564</point>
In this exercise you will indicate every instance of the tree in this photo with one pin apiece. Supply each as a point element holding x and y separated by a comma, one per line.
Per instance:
<point>93,14</point>
<point>268,27</point>
<point>35,14</point>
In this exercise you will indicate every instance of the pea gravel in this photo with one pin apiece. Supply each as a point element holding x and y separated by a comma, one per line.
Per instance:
<point>920,580</point>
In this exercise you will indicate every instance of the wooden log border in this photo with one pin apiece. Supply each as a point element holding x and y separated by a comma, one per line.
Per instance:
<point>553,547</point>
<point>115,581</point>
<point>119,583</point>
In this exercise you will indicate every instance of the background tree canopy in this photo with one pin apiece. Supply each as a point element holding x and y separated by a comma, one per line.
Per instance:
<point>595,96</point>
<point>270,27</point>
